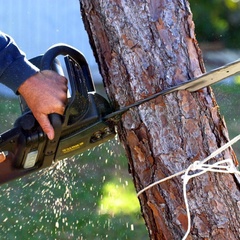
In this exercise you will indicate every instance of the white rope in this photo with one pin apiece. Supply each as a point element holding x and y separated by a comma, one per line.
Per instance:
<point>223,166</point>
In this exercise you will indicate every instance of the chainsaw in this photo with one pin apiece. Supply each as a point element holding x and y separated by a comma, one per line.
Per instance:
<point>88,120</point>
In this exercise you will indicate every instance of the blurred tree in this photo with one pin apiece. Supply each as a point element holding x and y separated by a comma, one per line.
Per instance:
<point>217,21</point>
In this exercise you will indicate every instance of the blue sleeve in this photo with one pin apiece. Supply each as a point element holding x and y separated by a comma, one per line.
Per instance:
<point>14,66</point>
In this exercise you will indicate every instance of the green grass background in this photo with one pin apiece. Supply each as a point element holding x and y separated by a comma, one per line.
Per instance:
<point>90,196</point>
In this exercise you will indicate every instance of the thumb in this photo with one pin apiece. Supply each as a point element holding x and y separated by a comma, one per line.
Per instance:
<point>46,126</point>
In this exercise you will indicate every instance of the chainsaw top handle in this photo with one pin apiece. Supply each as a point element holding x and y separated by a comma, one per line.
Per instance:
<point>64,49</point>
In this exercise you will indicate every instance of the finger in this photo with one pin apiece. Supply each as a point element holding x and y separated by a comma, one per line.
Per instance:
<point>2,157</point>
<point>46,126</point>
<point>63,80</point>
<point>59,109</point>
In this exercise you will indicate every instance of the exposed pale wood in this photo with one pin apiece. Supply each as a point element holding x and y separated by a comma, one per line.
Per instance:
<point>143,47</point>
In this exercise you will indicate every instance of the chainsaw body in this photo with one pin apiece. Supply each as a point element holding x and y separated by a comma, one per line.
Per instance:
<point>82,127</point>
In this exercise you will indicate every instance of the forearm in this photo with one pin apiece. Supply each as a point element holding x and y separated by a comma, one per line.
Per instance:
<point>14,67</point>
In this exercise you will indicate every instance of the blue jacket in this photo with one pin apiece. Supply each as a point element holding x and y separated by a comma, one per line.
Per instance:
<point>14,67</point>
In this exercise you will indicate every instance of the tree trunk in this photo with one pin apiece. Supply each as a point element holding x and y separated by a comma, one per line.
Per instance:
<point>143,47</point>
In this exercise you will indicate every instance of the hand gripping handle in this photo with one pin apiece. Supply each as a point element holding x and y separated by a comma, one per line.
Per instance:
<point>64,49</point>
<point>80,80</point>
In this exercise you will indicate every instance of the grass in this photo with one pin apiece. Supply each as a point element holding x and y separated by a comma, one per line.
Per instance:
<point>9,111</point>
<point>228,96</point>
<point>90,196</point>
<point>73,200</point>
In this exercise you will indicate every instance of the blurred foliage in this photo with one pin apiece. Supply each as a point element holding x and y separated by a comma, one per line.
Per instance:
<point>217,21</point>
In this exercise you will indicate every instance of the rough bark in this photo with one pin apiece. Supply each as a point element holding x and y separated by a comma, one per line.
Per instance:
<point>143,47</point>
